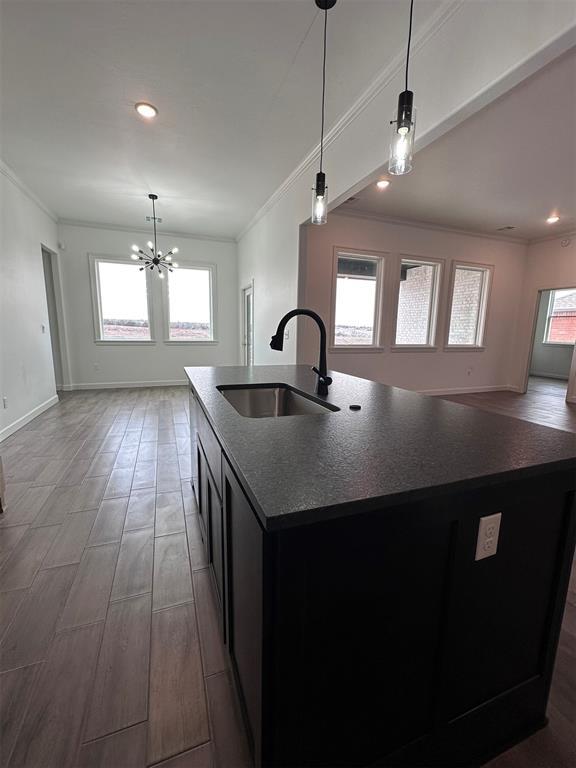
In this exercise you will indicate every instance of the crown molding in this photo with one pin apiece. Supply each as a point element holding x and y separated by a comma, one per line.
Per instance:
<point>547,238</point>
<point>144,230</point>
<point>11,175</point>
<point>551,49</point>
<point>425,225</point>
<point>386,76</point>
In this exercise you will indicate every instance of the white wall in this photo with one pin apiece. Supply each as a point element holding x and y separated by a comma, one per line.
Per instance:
<point>106,364</point>
<point>549,264</point>
<point>471,53</point>
<point>26,369</point>
<point>428,371</point>
<point>552,360</point>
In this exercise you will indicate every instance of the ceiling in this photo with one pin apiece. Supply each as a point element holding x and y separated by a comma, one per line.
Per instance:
<point>511,164</point>
<point>237,85</point>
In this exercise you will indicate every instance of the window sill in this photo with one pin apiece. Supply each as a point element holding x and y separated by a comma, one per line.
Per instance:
<point>557,343</point>
<point>463,348</point>
<point>358,348</point>
<point>413,348</point>
<point>125,342</point>
<point>192,342</point>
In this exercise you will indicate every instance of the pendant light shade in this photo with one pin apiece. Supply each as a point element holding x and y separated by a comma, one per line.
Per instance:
<point>320,190</point>
<point>162,262</point>
<point>320,200</point>
<point>402,138</point>
<point>404,122</point>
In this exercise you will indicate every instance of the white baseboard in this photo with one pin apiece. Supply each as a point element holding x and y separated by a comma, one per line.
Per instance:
<point>469,390</point>
<point>543,375</point>
<point>23,420</point>
<point>124,384</point>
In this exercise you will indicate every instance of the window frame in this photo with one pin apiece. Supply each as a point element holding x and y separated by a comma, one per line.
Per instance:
<point>197,265</point>
<point>93,260</point>
<point>439,265</point>
<point>549,309</point>
<point>482,320</point>
<point>380,258</point>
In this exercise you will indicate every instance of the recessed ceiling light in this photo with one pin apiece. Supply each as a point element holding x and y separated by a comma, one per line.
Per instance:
<point>383,183</point>
<point>552,219</point>
<point>146,110</point>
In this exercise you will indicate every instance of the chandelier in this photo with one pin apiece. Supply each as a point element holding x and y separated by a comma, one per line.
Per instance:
<point>155,259</point>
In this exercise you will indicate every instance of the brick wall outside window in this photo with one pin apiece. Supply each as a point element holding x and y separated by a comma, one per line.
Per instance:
<point>414,305</point>
<point>466,299</point>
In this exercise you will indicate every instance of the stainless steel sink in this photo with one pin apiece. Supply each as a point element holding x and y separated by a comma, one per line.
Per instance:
<point>259,401</point>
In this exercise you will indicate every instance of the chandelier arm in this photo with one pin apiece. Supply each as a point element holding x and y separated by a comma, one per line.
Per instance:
<point>154,221</point>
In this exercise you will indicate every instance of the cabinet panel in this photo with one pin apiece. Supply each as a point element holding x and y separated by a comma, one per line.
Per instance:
<point>501,605</point>
<point>203,497</point>
<point>212,449</point>
<point>193,444</point>
<point>245,547</point>
<point>358,637</point>
<point>216,545</point>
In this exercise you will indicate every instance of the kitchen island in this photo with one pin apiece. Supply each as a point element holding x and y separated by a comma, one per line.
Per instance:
<point>364,621</point>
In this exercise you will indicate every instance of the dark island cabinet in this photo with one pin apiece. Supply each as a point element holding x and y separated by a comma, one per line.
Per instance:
<point>245,544</point>
<point>377,638</point>
<point>211,518</point>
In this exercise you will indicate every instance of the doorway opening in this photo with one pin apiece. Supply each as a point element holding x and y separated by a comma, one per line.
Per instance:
<point>248,324</point>
<point>553,355</point>
<point>48,265</point>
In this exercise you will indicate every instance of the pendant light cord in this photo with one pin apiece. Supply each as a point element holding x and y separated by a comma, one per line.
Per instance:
<point>323,90</point>
<point>409,40</point>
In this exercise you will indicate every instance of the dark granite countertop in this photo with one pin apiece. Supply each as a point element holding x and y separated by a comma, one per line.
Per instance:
<point>400,446</point>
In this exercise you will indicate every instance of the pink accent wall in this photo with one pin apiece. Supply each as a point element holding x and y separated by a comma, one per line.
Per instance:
<point>436,371</point>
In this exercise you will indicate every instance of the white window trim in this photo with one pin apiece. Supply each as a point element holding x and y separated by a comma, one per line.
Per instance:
<point>93,259</point>
<point>546,341</point>
<point>211,268</point>
<point>431,346</point>
<point>380,257</point>
<point>480,342</point>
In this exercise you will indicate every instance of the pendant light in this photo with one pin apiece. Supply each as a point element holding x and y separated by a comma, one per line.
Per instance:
<point>404,122</point>
<point>320,190</point>
<point>155,259</point>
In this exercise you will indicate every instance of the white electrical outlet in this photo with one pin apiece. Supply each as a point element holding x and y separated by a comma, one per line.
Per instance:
<point>488,531</point>
<point>286,334</point>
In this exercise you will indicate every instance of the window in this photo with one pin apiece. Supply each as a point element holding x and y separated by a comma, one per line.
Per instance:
<point>121,299</point>
<point>416,315</point>
<point>469,304</point>
<point>190,316</point>
<point>356,312</point>
<point>561,320</point>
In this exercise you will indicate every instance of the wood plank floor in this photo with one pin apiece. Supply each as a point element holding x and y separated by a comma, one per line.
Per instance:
<point>544,403</point>
<point>109,651</point>
<point>101,558</point>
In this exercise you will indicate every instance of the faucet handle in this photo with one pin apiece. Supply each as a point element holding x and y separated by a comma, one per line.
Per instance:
<point>326,379</point>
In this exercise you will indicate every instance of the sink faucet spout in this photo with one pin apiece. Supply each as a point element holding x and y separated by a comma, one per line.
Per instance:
<point>277,343</point>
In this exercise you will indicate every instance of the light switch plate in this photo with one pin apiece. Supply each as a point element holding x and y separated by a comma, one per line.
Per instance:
<point>488,532</point>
